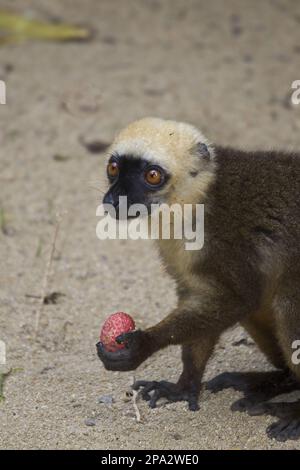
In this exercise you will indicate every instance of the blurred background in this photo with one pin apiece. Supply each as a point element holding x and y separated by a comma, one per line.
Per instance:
<point>75,73</point>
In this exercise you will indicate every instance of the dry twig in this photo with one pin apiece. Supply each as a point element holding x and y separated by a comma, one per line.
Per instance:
<point>47,274</point>
<point>134,398</point>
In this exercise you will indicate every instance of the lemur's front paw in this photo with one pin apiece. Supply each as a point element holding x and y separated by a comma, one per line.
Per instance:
<point>136,350</point>
<point>170,391</point>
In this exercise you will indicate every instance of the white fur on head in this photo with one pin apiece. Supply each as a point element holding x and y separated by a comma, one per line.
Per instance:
<point>173,145</point>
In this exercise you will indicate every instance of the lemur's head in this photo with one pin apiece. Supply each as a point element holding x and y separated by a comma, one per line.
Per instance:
<point>155,161</point>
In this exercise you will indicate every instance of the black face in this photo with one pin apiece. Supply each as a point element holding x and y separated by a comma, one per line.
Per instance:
<point>135,178</point>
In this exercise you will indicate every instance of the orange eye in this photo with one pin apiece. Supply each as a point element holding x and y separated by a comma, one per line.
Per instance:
<point>153,177</point>
<point>112,169</point>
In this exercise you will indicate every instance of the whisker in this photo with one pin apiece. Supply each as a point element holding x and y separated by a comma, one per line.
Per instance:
<point>97,189</point>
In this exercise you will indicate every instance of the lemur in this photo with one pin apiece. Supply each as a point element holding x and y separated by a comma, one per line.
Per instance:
<point>247,272</point>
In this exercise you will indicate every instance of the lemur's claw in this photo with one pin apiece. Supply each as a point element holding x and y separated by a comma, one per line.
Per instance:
<point>152,391</point>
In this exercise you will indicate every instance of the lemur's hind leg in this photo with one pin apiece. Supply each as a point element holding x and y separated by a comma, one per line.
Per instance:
<point>258,387</point>
<point>194,356</point>
<point>288,425</point>
<point>261,327</point>
<point>287,308</point>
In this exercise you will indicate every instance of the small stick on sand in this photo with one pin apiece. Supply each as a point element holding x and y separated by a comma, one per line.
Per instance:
<point>134,398</point>
<point>136,409</point>
<point>47,274</point>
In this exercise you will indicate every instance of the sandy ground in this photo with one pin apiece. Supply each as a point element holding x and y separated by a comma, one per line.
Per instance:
<point>226,67</point>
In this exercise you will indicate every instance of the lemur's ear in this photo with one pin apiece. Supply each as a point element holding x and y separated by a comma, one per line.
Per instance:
<point>203,151</point>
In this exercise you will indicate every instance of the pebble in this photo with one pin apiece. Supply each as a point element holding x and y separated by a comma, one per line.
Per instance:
<point>90,422</point>
<point>106,399</point>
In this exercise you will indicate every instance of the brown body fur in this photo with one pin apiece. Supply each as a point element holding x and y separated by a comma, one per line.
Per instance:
<point>252,244</point>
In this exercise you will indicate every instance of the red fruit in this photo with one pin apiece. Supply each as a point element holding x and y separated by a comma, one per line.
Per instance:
<point>115,325</point>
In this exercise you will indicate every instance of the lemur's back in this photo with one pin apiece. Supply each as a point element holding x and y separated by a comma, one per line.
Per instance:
<point>257,198</point>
